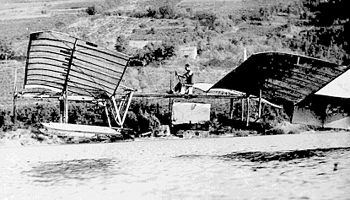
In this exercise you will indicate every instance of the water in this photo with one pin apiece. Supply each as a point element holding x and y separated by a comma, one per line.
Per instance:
<point>304,166</point>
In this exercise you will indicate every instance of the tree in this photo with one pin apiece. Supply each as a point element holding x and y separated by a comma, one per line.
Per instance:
<point>121,43</point>
<point>6,51</point>
<point>166,12</point>
<point>206,19</point>
<point>91,10</point>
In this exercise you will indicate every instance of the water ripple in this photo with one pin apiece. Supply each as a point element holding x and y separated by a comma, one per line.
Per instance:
<point>258,156</point>
<point>63,171</point>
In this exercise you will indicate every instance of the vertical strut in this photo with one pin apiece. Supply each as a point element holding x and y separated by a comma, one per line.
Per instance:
<point>248,111</point>
<point>127,106</point>
<point>64,99</point>
<point>259,114</point>
<point>117,112</point>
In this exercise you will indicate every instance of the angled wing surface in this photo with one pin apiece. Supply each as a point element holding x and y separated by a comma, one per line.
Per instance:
<point>281,76</point>
<point>61,62</point>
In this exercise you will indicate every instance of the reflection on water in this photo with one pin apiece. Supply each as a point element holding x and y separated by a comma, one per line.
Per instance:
<point>306,166</point>
<point>258,156</point>
<point>62,171</point>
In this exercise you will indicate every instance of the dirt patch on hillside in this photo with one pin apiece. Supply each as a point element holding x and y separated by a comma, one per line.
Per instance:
<point>11,10</point>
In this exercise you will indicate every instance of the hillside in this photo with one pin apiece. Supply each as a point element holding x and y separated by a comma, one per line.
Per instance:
<point>156,32</point>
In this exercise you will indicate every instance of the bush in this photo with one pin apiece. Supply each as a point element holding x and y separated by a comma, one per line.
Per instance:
<point>162,12</point>
<point>91,10</point>
<point>5,121</point>
<point>121,43</point>
<point>166,12</point>
<point>151,12</point>
<point>153,53</point>
<point>40,112</point>
<point>144,117</point>
<point>206,19</point>
<point>141,117</point>
<point>6,51</point>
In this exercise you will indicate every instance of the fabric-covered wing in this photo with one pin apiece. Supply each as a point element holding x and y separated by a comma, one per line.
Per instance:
<point>61,62</point>
<point>283,76</point>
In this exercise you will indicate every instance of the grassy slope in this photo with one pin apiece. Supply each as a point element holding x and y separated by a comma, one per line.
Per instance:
<point>103,29</point>
<point>219,56</point>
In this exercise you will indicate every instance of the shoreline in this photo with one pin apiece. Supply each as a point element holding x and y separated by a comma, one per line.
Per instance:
<point>31,137</point>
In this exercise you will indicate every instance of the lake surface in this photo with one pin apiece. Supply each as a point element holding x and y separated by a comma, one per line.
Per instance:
<point>303,166</point>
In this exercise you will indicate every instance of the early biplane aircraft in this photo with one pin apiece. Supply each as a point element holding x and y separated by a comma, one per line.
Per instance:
<point>76,70</point>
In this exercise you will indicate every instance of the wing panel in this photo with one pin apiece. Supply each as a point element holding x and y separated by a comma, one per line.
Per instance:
<point>58,60</point>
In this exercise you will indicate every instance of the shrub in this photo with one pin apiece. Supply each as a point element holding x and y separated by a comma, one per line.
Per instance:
<point>91,10</point>
<point>166,12</point>
<point>5,121</point>
<point>153,53</point>
<point>121,43</point>
<point>206,19</point>
<point>151,12</point>
<point>6,50</point>
<point>37,113</point>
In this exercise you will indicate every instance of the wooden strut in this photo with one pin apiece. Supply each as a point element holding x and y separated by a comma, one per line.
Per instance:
<point>127,106</point>
<point>117,117</point>
<point>107,114</point>
<point>259,109</point>
<point>170,99</point>
<point>242,111</point>
<point>123,107</point>
<point>64,97</point>
<point>66,106</point>
<point>248,111</point>
<point>231,108</point>
<point>14,114</point>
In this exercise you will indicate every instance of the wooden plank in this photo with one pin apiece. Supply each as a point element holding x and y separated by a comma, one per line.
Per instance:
<point>50,44</point>
<point>57,80</point>
<point>279,95</point>
<point>99,74</point>
<point>317,71</point>
<point>280,85</point>
<point>91,72</point>
<point>48,60</point>
<point>99,64</point>
<point>57,83</point>
<point>88,46</point>
<point>74,77</point>
<point>101,57</point>
<point>79,81</point>
<point>297,83</point>
<point>164,95</point>
<point>48,53</point>
<point>52,35</point>
<point>45,83</point>
<point>96,80</point>
<point>284,94</point>
<point>307,80</point>
<point>56,72</point>
<point>322,64</point>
